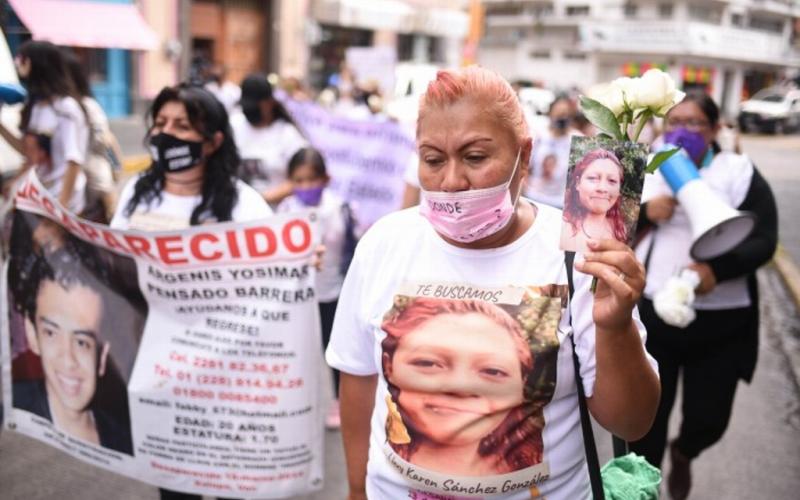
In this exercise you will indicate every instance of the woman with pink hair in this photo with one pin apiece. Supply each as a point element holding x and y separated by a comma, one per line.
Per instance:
<point>592,206</point>
<point>443,392</point>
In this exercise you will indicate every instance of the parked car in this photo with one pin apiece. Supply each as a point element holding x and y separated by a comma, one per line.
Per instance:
<point>773,109</point>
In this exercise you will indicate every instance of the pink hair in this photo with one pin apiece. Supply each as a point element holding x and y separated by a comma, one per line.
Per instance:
<point>574,211</point>
<point>516,443</point>
<point>474,82</point>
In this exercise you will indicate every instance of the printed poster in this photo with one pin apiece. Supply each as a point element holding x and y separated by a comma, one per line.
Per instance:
<point>187,359</point>
<point>366,159</point>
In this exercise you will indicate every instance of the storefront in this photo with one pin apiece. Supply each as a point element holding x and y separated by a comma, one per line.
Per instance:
<point>103,33</point>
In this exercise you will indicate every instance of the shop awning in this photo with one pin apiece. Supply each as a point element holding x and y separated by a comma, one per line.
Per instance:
<point>81,23</point>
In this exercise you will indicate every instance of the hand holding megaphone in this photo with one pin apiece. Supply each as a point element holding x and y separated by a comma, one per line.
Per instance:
<point>12,93</point>
<point>716,227</point>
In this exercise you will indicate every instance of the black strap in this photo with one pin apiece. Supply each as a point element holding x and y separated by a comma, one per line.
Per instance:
<point>590,448</point>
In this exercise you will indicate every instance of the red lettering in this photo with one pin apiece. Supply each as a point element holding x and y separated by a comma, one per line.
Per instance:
<point>233,245</point>
<point>139,245</point>
<point>33,193</point>
<point>88,230</point>
<point>287,236</point>
<point>195,242</point>
<point>112,242</point>
<point>48,205</point>
<point>250,236</point>
<point>24,190</point>
<point>165,250</point>
<point>67,222</point>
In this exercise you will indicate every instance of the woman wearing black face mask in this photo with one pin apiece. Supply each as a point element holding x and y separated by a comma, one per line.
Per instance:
<point>266,138</point>
<point>720,346</point>
<point>192,179</point>
<point>545,183</point>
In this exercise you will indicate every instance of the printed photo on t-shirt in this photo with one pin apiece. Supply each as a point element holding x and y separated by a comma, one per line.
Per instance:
<point>469,371</point>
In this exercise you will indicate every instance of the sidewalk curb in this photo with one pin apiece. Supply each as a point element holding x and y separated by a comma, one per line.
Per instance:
<point>789,272</point>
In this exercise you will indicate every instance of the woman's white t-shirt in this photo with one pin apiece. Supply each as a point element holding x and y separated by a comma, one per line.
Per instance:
<point>728,176</point>
<point>65,123</point>
<point>174,212</point>
<point>265,151</point>
<point>332,227</point>
<point>402,263</point>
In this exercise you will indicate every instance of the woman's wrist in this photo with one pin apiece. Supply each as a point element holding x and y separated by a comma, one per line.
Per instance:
<point>617,332</point>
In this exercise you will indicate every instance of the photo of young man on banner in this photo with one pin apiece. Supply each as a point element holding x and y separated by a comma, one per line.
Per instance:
<point>75,320</point>
<point>159,355</point>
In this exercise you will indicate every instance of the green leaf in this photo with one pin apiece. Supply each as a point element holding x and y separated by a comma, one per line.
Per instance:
<point>658,159</point>
<point>601,117</point>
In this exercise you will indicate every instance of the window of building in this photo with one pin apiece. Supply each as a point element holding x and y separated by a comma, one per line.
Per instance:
<point>539,54</point>
<point>665,10</point>
<point>578,10</point>
<point>737,20</point>
<point>574,56</point>
<point>630,10</point>
<point>328,55</point>
<point>542,10</point>
<point>417,47</point>
<point>768,24</point>
<point>704,13</point>
<point>504,10</point>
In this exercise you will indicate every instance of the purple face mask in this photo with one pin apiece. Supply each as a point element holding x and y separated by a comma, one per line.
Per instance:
<point>309,197</point>
<point>693,142</point>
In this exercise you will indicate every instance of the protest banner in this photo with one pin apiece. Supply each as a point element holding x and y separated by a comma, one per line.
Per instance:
<point>373,64</point>
<point>366,159</point>
<point>187,359</point>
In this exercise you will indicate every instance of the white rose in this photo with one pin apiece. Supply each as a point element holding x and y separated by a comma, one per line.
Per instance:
<point>673,313</point>
<point>673,303</point>
<point>628,87</point>
<point>609,96</point>
<point>656,91</point>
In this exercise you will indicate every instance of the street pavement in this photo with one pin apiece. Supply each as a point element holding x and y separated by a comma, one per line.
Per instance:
<point>758,458</point>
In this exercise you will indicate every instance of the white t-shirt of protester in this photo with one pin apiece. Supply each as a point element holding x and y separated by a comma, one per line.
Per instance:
<point>332,226</point>
<point>265,151</point>
<point>476,392</point>
<point>728,176</point>
<point>174,212</point>
<point>64,122</point>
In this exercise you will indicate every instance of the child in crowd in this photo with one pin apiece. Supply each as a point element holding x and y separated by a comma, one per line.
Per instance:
<point>309,179</point>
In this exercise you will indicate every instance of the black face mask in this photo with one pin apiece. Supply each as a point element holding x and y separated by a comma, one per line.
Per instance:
<point>253,114</point>
<point>560,123</point>
<point>172,154</point>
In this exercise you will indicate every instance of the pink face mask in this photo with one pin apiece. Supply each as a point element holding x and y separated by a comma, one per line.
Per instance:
<point>471,215</point>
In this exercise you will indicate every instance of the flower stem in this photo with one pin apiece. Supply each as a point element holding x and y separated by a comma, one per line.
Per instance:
<point>643,118</point>
<point>626,119</point>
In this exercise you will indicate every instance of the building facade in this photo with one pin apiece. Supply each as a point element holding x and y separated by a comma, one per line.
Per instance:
<point>729,48</point>
<point>425,32</point>
<point>108,52</point>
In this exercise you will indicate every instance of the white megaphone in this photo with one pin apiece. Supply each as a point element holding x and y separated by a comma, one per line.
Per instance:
<point>716,227</point>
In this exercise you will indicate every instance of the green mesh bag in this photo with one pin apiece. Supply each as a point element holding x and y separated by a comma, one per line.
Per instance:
<point>630,477</point>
